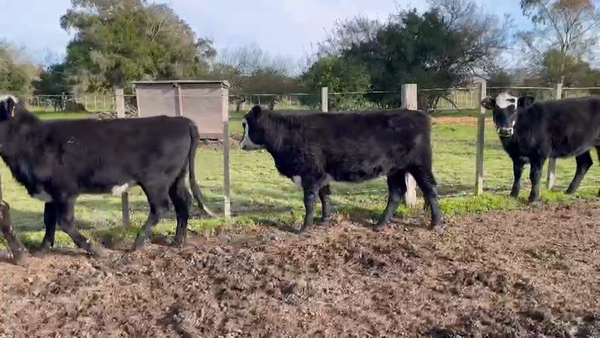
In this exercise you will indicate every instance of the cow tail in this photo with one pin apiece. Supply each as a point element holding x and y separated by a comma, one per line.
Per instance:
<point>195,136</point>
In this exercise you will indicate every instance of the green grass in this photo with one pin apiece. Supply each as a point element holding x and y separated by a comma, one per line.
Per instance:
<point>261,196</point>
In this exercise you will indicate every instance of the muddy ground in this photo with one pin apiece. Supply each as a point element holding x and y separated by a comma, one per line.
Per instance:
<point>530,273</point>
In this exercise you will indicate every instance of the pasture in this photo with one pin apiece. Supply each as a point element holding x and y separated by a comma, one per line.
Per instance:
<point>502,267</point>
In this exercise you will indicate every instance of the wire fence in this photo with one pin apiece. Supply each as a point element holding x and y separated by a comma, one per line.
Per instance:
<point>256,184</point>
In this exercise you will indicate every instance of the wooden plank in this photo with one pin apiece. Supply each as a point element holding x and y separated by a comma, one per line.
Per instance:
<point>120,102</point>
<point>480,140</point>
<point>551,177</point>
<point>409,101</point>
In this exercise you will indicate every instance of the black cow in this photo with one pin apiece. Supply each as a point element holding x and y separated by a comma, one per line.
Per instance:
<point>57,161</point>
<point>531,132</point>
<point>314,149</point>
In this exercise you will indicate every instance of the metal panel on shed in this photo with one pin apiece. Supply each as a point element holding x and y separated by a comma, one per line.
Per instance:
<point>202,103</point>
<point>156,99</point>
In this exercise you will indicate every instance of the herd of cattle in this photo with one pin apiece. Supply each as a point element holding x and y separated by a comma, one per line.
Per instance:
<point>56,161</point>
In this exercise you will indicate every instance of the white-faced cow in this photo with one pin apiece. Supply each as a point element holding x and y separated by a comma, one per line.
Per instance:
<point>56,161</point>
<point>531,132</point>
<point>314,149</point>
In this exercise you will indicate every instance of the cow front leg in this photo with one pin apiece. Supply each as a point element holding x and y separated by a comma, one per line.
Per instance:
<point>324,195</point>
<point>518,165</point>
<point>310,196</point>
<point>50,220</point>
<point>396,191</point>
<point>535,175</point>
<point>66,221</point>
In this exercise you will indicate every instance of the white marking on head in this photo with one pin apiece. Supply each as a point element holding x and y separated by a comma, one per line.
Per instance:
<point>43,196</point>
<point>246,143</point>
<point>9,96</point>
<point>505,100</point>
<point>118,190</point>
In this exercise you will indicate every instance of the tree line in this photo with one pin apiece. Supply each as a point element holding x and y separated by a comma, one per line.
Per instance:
<point>446,46</point>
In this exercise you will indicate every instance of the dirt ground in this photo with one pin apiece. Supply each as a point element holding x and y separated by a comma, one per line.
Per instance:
<point>532,273</point>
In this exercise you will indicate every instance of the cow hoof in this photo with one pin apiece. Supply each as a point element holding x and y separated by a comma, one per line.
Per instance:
<point>20,258</point>
<point>439,229</point>
<point>325,222</point>
<point>379,228</point>
<point>178,243</point>
<point>96,253</point>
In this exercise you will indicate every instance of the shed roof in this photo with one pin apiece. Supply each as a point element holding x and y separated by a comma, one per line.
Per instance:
<point>222,82</point>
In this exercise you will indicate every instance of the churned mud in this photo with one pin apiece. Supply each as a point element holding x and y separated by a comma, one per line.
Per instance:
<point>533,273</point>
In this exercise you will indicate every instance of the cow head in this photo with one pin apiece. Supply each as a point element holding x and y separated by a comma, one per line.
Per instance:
<point>505,109</point>
<point>254,133</point>
<point>8,105</point>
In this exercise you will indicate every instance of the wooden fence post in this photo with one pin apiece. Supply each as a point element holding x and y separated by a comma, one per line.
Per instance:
<point>226,150</point>
<point>552,161</point>
<point>480,139</point>
<point>324,99</point>
<point>409,101</point>
<point>120,102</point>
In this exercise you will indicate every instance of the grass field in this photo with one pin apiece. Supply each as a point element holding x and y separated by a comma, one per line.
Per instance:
<point>261,196</point>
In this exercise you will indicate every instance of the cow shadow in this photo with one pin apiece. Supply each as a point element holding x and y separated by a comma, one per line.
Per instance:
<point>34,221</point>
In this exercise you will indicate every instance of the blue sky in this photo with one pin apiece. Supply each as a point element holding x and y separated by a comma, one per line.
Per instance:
<point>284,28</point>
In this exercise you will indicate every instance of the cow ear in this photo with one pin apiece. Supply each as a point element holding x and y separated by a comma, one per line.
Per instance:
<point>525,101</point>
<point>488,103</point>
<point>8,104</point>
<point>256,111</point>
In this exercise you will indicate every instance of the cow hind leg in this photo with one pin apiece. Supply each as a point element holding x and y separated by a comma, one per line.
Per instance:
<point>66,221</point>
<point>584,163</point>
<point>159,205</point>
<point>50,221</point>
<point>427,183</point>
<point>598,154</point>
<point>396,191</point>
<point>182,202</point>
<point>324,195</point>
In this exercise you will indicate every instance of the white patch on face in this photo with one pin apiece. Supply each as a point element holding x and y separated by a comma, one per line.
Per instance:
<point>118,190</point>
<point>247,143</point>
<point>43,196</point>
<point>503,101</point>
<point>6,97</point>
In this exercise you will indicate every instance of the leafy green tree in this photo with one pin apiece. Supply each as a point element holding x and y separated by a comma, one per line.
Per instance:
<point>441,48</point>
<point>52,81</point>
<point>340,75</point>
<point>117,41</point>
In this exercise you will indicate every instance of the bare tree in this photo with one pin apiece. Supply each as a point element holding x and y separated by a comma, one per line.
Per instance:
<point>569,26</point>
<point>348,32</point>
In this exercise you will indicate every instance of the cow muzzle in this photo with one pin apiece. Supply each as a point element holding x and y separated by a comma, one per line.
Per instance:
<point>505,132</point>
